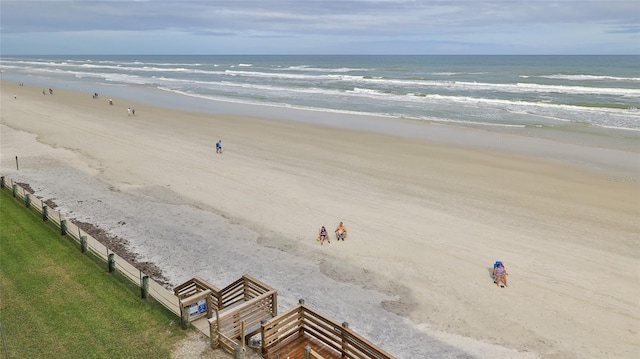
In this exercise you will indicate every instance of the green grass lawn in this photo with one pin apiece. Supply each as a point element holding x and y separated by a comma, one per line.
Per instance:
<point>56,302</point>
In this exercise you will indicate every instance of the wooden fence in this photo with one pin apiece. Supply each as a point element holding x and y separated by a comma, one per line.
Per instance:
<point>88,244</point>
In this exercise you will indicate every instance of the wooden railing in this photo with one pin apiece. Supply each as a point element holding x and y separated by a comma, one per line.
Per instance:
<point>302,320</point>
<point>193,286</point>
<point>193,292</point>
<point>196,290</point>
<point>230,328</point>
<point>239,308</point>
<point>243,290</point>
<point>311,354</point>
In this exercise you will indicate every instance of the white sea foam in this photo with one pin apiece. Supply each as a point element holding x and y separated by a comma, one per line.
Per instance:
<point>329,70</point>
<point>473,93</point>
<point>589,77</point>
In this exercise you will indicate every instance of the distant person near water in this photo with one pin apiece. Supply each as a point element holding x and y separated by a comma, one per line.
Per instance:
<point>219,146</point>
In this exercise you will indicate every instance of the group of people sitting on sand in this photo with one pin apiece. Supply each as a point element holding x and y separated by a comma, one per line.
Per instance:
<point>341,233</point>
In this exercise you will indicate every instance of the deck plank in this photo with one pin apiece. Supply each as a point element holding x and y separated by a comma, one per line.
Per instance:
<point>293,348</point>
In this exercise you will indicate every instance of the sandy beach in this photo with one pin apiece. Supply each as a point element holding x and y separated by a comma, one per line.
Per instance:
<point>426,220</point>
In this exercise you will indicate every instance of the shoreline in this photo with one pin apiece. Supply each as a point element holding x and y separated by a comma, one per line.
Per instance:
<point>412,208</point>
<point>599,148</point>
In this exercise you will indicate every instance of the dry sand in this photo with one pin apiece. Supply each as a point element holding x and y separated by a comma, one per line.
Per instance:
<point>425,220</point>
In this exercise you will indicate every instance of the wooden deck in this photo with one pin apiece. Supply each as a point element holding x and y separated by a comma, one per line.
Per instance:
<point>293,348</point>
<point>287,335</point>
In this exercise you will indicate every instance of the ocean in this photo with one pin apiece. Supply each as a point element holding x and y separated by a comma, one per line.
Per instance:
<point>571,93</point>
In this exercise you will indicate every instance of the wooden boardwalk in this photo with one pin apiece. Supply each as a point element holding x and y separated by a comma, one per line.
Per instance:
<point>287,335</point>
<point>294,348</point>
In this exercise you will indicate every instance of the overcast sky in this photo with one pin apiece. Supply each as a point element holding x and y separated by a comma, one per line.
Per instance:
<point>90,27</point>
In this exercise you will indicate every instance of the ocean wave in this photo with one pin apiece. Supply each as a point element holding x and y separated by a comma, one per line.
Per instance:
<point>364,81</point>
<point>330,70</point>
<point>589,77</point>
<point>473,123</point>
<point>275,104</point>
<point>107,63</point>
<point>397,90</point>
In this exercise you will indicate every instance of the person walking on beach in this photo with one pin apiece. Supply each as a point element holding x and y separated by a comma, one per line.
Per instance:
<point>128,111</point>
<point>219,146</point>
<point>322,235</point>
<point>341,232</point>
<point>500,274</point>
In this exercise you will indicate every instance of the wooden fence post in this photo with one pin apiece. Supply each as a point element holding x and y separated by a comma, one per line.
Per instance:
<point>144,287</point>
<point>27,200</point>
<point>83,244</point>
<point>209,307</point>
<point>242,329</point>
<point>184,317</point>
<point>63,227</point>
<point>345,325</point>
<point>15,190</point>
<point>307,351</point>
<point>112,262</point>
<point>45,215</point>
<point>245,289</point>
<point>263,342</point>
<point>239,352</point>
<point>1,182</point>
<point>274,303</point>
<point>215,337</point>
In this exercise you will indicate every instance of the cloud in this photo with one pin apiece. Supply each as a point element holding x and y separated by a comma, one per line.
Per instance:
<point>339,22</point>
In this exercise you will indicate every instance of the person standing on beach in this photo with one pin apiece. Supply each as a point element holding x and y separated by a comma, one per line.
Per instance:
<point>128,111</point>
<point>219,146</point>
